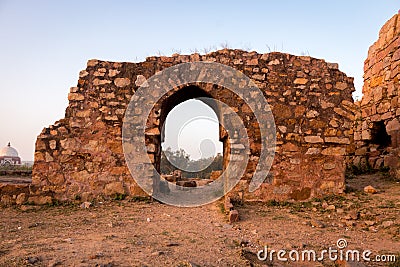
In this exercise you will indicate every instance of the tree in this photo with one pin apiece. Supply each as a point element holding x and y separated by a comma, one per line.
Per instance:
<point>182,159</point>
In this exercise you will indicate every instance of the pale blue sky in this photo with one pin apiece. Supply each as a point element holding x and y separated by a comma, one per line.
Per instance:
<point>44,44</point>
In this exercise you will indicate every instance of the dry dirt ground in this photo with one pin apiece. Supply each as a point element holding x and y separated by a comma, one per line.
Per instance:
<point>145,233</point>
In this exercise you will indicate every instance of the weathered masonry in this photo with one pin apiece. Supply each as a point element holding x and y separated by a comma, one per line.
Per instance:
<point>81,156</point>
<point>377,126</point>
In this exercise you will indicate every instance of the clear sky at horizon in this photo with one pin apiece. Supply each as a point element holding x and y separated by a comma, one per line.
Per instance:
<point>44,44</point>
<point>194,127</point>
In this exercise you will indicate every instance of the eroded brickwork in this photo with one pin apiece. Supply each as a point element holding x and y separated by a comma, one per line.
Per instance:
<point>377,123</point>
<point>81,155</point>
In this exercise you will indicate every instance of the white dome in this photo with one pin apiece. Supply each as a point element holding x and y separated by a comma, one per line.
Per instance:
<point>8,151</point>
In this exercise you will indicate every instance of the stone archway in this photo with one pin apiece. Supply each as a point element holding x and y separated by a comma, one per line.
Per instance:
<point>165,105</point>
<point>211,95</point>
<point>82,156</point>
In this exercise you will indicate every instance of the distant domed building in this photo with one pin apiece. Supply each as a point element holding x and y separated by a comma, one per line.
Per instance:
<point>9,156</point>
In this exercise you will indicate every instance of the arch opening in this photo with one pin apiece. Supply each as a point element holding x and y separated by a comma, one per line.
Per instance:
<point>190,145</point>
<point>191,141</point>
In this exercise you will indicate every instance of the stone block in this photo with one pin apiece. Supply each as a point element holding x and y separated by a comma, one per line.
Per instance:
<point>6,200</point>
<point>290,147</point>
<point>370,190</point>
<point>341,85</point>
<point>362,151</point>
<point>122,82</point>
<point>40,200</point>
<point>99,82</point>
<point>233,216</point>
<point>313,139</point>
<point>329,166</point>
<point>114,188</point>
<point>366,135</point>
<point>313,151</point>
<point>21,199</point>
<point>334,151</point>
<point>343,113</point>
<point>75,97</point>
<point>393,125</point>
<point>92,62</point>
<point>252,62</point>
<point>228,206</point>
<point>338,140</point>
<point>300,81</point>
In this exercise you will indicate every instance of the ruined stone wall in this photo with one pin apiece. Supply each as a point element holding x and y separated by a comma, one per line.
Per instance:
<point>81,155</point>
<point>377,122</point>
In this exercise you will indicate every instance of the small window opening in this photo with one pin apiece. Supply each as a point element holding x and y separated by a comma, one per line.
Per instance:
<point>379,136</point>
